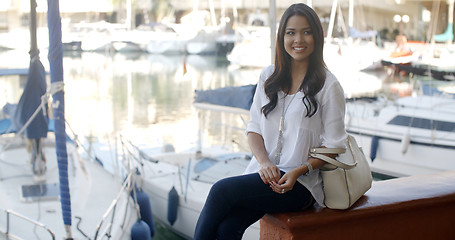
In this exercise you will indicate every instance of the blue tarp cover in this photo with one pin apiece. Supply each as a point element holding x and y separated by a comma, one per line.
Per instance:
<point>5,127</point>
<point>14,72</point>
<point>30,100</point>
<point>239,97</point>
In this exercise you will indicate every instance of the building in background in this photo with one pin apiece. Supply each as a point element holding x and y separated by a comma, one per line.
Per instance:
<point>415,16</point>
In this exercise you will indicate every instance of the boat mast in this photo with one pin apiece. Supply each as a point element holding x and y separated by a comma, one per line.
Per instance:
<point>450,21</point>
<point>33,41</point>
<point>351,14</point>
<point>212,13</point>
<point>129,15</point>
<point>272,23</point>
<point>332,20</point>
<point>30,112</point>
<point>55,57</point>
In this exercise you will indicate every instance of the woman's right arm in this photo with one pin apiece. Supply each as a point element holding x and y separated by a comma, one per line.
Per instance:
<point>268,171</point>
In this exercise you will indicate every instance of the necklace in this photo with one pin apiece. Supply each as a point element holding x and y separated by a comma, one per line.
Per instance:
<point>279,145</point>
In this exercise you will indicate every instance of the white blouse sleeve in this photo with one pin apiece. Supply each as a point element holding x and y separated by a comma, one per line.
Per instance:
<point>333,113</point>
<point>258,102</point>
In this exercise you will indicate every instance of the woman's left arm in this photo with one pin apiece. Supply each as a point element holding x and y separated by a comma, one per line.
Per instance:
<point>333,108</point>
<point>287,181</point>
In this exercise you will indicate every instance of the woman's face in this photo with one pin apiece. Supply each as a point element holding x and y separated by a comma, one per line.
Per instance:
<point>298,39</point>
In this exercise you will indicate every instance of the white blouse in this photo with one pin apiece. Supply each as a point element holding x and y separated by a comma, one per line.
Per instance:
<point>300,133</point>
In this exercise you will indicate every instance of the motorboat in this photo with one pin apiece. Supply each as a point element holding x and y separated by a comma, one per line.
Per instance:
<point>253,51</point>
<point>406,136</point>
<point>161,38</point>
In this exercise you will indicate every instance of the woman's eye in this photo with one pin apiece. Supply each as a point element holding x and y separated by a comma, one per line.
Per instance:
<point>308,32</point>
<point>289,33</point>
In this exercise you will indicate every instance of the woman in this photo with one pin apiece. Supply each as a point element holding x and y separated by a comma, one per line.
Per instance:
<point>298,105</point>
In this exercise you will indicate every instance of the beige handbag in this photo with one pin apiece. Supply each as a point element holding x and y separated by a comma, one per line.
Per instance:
<point>346,178</point>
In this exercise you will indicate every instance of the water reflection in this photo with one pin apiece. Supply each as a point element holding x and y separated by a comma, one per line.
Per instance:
<point>147,98</point>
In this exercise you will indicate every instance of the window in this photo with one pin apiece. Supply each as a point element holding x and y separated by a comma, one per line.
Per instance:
<point>423,123</point>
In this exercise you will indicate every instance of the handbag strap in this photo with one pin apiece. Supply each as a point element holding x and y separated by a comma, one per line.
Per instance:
<point>333,161</point>
<point>328,150</point>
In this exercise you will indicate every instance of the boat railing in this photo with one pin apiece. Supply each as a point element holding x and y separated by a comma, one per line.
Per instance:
<point>111,211</point>
<point>38,224</point>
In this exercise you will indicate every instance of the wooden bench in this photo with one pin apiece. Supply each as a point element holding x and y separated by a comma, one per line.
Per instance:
<point>416,207</point>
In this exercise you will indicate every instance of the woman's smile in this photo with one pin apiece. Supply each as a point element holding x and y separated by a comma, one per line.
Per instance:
<point>299,49</point>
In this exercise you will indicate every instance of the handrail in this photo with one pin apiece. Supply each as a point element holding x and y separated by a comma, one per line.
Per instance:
<point>126,185</point>
<point>8,212</point>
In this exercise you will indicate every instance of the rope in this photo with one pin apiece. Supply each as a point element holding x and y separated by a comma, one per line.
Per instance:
<point>79,229</point>
<point>54,88</point>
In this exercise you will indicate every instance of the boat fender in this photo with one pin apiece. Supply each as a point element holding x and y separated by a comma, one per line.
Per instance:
<point>405,141</point>
<point>140,231</point>
<point>374,147</point>
<point>99,161</point>
<point>145,208</point>
<point>173,202</point>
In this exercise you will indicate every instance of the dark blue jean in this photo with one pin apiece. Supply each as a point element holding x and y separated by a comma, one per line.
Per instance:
<point>234,203</point>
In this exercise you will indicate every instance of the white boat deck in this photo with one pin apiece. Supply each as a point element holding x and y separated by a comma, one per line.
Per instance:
<point>92,191</point>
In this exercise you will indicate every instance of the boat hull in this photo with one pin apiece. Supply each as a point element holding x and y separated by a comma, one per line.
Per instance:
<point>164,175</point>
<point>413,135</point>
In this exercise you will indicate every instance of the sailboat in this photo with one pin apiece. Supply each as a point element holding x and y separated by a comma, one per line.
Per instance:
<point>44,192</point>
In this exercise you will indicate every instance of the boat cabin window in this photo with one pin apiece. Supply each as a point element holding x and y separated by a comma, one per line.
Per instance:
<point>423,123</point>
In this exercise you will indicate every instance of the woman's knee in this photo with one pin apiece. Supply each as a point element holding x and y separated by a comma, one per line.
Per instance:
<point>223,186</point>
<point>219,190</point>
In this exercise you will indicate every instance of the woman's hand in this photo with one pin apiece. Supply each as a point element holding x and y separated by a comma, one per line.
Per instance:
<point>269,172</point>
<point>286,182</point>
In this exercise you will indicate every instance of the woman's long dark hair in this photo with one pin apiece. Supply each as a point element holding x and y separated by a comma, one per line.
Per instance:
<point>281,77</point>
